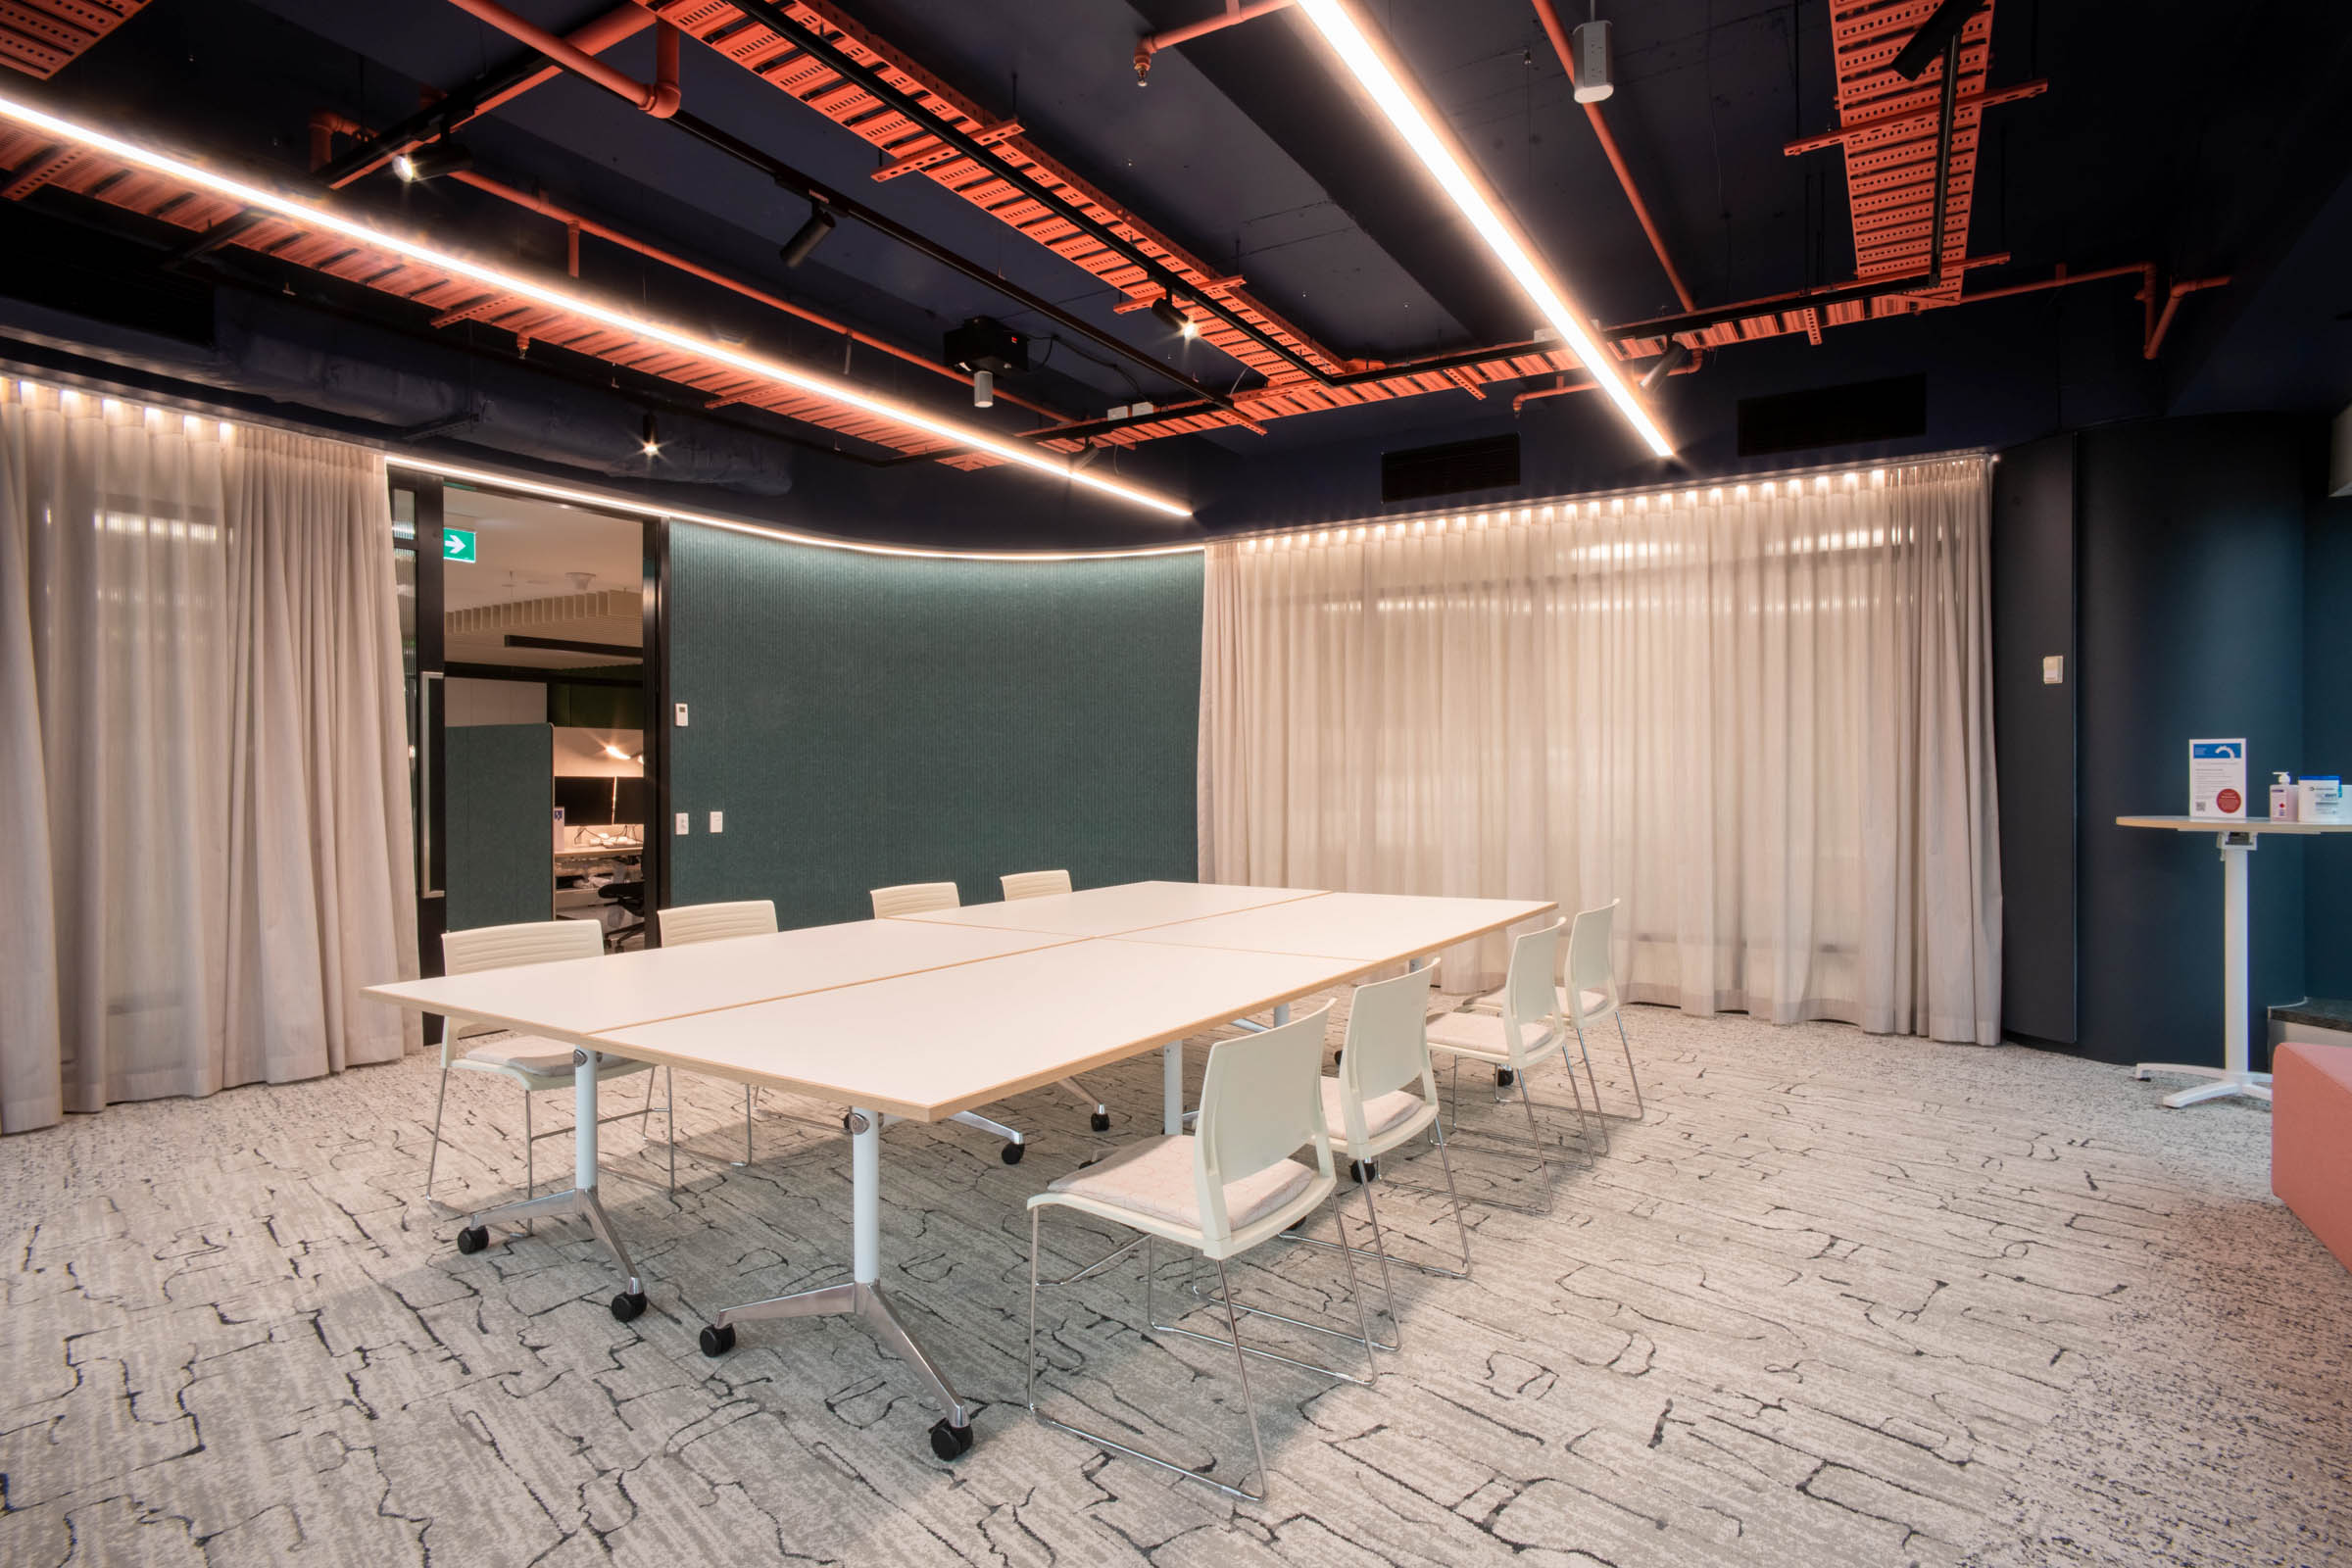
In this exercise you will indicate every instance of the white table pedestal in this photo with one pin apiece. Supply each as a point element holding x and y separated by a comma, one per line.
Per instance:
<point>2232,1078</point>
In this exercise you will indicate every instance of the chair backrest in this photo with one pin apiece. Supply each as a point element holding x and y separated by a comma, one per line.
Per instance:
<point>715,922</point>
<point>915,898</point>
<point>503,946</point>
<point>1528,996</point>
<point>1260,1101</point>
<point>1590,966</point>
<point>1388,1044</point>
<point>1034,884</point>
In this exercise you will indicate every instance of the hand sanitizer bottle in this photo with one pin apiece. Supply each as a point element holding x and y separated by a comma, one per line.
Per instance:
<point>2282,797</point>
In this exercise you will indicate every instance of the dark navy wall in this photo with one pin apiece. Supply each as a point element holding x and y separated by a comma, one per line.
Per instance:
<point>2189,584</point>
<point>867,720</point>
<point>2327,738</point>
<point>2034,734</point>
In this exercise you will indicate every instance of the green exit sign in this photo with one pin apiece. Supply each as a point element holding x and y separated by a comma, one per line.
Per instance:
<point>456,544</point>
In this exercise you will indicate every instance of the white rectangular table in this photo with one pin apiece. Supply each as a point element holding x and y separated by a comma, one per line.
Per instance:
<point>923,1018</point>
<point>2236,840</point>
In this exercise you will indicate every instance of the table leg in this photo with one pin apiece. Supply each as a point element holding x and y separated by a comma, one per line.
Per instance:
<point>863,1298</point>
<point>580,1200</point>
<point>1171,1087</point>
<point>2232,1078</point>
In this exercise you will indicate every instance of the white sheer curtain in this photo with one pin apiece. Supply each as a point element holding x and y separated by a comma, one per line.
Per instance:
<point>1759,714</point>
<point>203,756</point>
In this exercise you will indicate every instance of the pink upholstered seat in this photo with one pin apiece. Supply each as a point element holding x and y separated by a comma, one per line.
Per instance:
<point>2311,1139</point>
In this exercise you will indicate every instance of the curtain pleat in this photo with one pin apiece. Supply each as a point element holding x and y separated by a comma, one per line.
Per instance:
<point>203,755</point>
<point>1759,714</point>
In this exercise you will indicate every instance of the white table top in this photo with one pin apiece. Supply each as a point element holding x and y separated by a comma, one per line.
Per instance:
<point>2223,824</point>
<point>1372,928</point>
<point>930,1044</point>
<point>1109,912</point>
<point>577,999</point>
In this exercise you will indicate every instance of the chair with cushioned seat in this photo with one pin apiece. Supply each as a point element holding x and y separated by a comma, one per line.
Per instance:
<point>1588,997</point>
<point>1219,1191</point>
<point>536,1065</point>
<point>1043,885</point>
<point>1372,1111</point>
<point>1527,1031</point>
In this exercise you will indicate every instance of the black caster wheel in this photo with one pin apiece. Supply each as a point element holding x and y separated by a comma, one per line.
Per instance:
<point>1364,1171</point>
<point>1339,1055</point>
<point>1504,1077</point>
<point>1012,1154</point>
<point>950,1442</point>
<point>627,1304</point>
<point>718,1338</point>
<point>1100,1121</point>
<point>474,1240</point>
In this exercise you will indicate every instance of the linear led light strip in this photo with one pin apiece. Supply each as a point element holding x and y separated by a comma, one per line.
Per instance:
<point>492,479</point>
<point>820,385</point>
<point>1401,104</point>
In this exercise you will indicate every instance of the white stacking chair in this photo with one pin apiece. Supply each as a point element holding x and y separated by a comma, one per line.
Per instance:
<point>1034,884</point>
<point>1041,885</point>
<point>1523,1034</point>
<point>1219,1191</point>
<point>717,922</point>
<point>1589,997</point>
<point>920,898</point>
<point>915,898</point>
<point>1371,1109</point>
<point>535,1063</point>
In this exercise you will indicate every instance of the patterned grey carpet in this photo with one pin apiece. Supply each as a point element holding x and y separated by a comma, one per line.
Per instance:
<point>1836,1301</point>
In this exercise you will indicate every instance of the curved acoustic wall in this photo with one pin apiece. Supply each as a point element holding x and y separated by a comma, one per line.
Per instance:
<point>863,720</point>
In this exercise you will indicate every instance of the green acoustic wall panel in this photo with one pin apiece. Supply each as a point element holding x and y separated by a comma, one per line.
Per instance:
<point>501,786</point>
<point>867,720</point>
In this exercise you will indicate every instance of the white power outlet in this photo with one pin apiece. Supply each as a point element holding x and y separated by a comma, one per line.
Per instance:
<point>2053,669</point>
<point>685,823</point>
<point>718,821</point>
<point>681,719</point>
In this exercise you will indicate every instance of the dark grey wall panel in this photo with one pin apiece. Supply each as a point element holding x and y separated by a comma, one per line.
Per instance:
<point>501,784</point>
<point>2328,737</point>
<point>2190,594</point>
<point>865,720</point>
<point>2034,734</point>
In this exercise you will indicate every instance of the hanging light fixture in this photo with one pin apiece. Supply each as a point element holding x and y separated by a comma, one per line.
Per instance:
<point>431,161</point>
<point>651,441</point>
<point>1172,316</point>
<point>1419,127</point>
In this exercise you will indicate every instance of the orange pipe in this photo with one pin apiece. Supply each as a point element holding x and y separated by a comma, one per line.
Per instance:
<point>1235,11</point>
<point>576,225</point>
<point>661,100</point>
<point>622,22</point>
<point>2172,303</point>
<point>1608,145</point>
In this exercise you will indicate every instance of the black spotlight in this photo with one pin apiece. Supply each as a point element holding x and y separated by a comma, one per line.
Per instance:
<point>651,442</point>
<point>1672,360</point>
<point>1166,309</point>
<point>431,161</point>
<point>808,237</point>
<point>1932,35</point>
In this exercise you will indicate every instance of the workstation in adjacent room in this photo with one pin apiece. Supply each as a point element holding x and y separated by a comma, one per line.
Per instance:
<point>1115,781</point>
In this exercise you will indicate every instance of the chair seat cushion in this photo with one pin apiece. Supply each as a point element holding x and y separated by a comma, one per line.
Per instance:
<point>1592,1000</point>
<point>1481,1034</point>
<point>1155,1178</point>
<point>1380,1111</point>
<point>523,1054</point>
<point>2311,1139</point>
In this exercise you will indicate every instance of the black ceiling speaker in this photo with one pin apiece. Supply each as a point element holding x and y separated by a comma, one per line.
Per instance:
<point>985,344</point>
<point>1457,466</point>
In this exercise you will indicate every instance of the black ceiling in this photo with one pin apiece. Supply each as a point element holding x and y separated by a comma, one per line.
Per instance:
<point>2203,138</point>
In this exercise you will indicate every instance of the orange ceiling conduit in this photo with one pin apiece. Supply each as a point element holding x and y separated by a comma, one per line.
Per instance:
<point>325,124</point>
<point>41,38</point>
<point>104,179</point>
<point>661,100</point>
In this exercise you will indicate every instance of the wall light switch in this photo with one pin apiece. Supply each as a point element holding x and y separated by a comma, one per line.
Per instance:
<point>2053,671</point>
<point>685,823</point>
<point>718,821</point>
<point>681,718</point>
